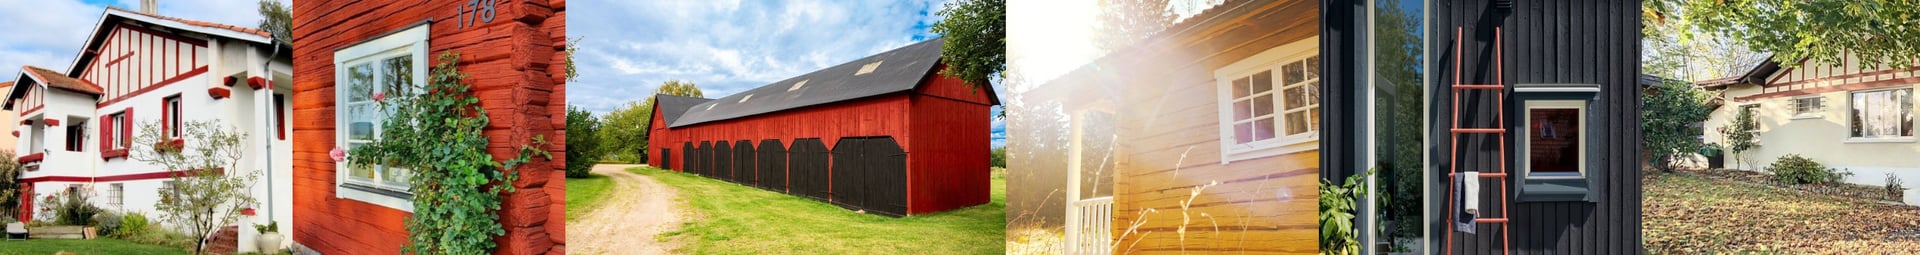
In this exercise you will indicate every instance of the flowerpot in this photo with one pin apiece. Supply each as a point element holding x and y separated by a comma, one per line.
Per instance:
<point>89,232</point>
<point>269,242</point>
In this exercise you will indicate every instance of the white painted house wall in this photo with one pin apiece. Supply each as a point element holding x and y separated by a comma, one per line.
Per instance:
<point>127,87</point>
<point>1824,135</point>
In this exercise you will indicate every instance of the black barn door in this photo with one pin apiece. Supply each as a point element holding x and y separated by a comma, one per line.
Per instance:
<point>743,170</point>
<point>807,164</point>
<point>870,174</point>
<point>706,159</point>
<point>666,158</point>
<point>849,174</point>
<point>773,165</point>
<point>723,161</point>
<point>686,163</point>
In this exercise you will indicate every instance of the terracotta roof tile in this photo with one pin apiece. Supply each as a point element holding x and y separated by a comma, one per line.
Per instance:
<point>58,80</point>
<point>200,23</point>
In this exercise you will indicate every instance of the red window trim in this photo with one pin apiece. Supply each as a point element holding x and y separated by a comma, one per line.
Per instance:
<point>168,112</point>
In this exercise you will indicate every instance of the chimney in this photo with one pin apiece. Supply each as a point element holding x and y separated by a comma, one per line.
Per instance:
<point>150,7</point>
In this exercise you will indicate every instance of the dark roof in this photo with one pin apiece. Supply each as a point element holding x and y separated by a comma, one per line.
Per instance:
<point>671,106</point>
<point>61,81</point>
<point>896,70</point>
<point>1756,76</point>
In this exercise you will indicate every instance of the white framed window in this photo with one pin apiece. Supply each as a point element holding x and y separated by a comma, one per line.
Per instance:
<point>1808,107</point>
<point>116,195</point>
<point>1880,115</point>
<point>116,132</point>
<point>172,112</point>
<point>1269,104</point>
<point>393,65</point>
<point>1555,139</point>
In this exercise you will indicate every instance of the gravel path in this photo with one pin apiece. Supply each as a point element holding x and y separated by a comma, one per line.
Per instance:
<point>634,211</point>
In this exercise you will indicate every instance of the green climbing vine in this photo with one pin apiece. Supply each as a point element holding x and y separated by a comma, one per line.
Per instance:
<point>457,186</point>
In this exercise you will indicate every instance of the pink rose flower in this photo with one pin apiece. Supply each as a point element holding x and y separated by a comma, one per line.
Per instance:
<point>338,154</point>
<point>380,96</point>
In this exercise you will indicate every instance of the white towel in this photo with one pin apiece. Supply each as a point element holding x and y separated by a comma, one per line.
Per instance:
<point>1472,192</point>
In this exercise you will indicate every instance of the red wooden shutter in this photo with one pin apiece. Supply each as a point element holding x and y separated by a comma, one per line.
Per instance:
<point>106,132</point>
<point>126,128</point>
<point>279,117</point>
<point>165,112</point>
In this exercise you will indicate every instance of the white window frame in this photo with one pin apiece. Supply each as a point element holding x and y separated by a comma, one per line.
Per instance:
<point>1270,60</point>
<point>1815,112</point>
<point>1526,147</point>
<point>114,128</point>
<point>407,41</point>
<point>173,113</point>
<point>1847,129</point>
<point>116,195</point>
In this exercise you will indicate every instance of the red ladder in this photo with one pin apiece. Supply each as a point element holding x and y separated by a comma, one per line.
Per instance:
<point>1499,87</point>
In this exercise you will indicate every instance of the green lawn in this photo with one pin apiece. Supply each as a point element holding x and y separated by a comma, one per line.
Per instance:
<point>729,218</point>
<point>83,247</point>
<point>584,194</point>
<point>1693,213</point>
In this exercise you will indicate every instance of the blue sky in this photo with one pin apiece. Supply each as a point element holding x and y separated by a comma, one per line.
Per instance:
<point>631,47</point>
<point>48,33</point>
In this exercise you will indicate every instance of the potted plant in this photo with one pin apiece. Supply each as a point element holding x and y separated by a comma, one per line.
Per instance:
<point>1712,152</point>
<point>270,239</point>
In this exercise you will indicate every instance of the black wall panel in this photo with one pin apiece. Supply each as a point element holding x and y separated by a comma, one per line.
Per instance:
<point>666,158</point>
<point>723,161</point>
<point>773,165</point>
<point>870,174</point>
<point>706,159</point>
<point>808,162</point>
<point>743,169</point>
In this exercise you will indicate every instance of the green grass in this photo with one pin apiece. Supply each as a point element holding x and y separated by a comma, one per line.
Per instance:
<point>584,194</point>
<point>727,218</point>
<point>83,247</point>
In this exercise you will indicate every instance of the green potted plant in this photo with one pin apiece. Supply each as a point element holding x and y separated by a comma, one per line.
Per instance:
<point>270,238</point>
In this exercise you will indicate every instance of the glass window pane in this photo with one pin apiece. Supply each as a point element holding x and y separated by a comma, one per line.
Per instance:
<point>394,177</point>
<point>1263,105</point>
<point>359,82</point>
<point>1296,97</point>
<point>1857,122</point>
<point>359,172</point>
<point>361,120</point>
<point>1313,67</point>
<point>1242,109</point>
<point>1906,112</point>
<point>399,75</point>
<point>1296,123</point>
<point>1292,73</point>
<point>1553,140</point>
<point>1243,133</point>
<point>1262,82</point>
<point>1263,129</point>
<point>1312,91</point>
<point>1240,88</point>
<point>1313,122</point>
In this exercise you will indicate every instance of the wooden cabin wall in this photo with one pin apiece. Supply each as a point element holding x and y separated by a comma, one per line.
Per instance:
<point>1591,42</point>
<point>1170,146</point>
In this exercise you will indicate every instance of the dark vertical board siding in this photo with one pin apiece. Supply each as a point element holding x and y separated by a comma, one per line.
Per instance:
<point>1544,42</point>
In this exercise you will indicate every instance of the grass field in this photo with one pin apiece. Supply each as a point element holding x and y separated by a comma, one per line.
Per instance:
<point>83,247</point>
<point>727,218</point>
<point>1690,213</point>
<point>584,194</point>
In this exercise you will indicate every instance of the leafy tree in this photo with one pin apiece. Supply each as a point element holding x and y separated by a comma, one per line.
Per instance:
<point>211,187</point>
<point>573,46</point>
<point>1880,33</point>
<point>1743,135</point>
<point>9,185</point>
<point>1673,50</point>
<point>583,147</point>
<point>976,32</point>
<point>998,157</point>
<point>277,20</point>
<point>624,131</point>
<point>1124,22</point>
<point>1668,113</point>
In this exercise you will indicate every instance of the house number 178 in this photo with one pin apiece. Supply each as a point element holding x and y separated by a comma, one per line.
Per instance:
<point>476,10</point>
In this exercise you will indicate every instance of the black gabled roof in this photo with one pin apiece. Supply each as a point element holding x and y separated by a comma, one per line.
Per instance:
<point>898,70</point>
<point>671,106</point>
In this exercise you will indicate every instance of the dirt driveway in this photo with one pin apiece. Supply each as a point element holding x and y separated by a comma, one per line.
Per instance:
<point>633,212</point>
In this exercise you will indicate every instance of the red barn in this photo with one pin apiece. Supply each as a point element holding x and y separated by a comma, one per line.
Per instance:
<point>887,134</point>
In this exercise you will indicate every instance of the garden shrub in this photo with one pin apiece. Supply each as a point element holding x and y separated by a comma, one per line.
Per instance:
<point>107,223</point>
<point>71,209</point>
<point>1895,189</point>
<point>1794,169</point>
<point>132,224</point>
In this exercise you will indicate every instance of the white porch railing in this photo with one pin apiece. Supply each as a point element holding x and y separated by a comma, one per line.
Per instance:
<point>1091,231</point>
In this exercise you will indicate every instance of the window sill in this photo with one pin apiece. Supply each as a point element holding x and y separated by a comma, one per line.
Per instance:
<point>1289,147</point>
<point>381,197</point>
<point>1808,116</point>
<point>1882,140</point>
<point>110,154</point>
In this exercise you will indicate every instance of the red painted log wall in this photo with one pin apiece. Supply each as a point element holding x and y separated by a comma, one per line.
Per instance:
<point>944,127</point>
<point>515,62</point>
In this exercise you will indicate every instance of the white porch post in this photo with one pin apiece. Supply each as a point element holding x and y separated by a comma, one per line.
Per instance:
<point>1073,183</point>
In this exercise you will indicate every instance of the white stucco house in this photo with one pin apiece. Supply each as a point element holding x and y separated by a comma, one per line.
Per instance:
<point>135,68</point>
<point>1844,115</point>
